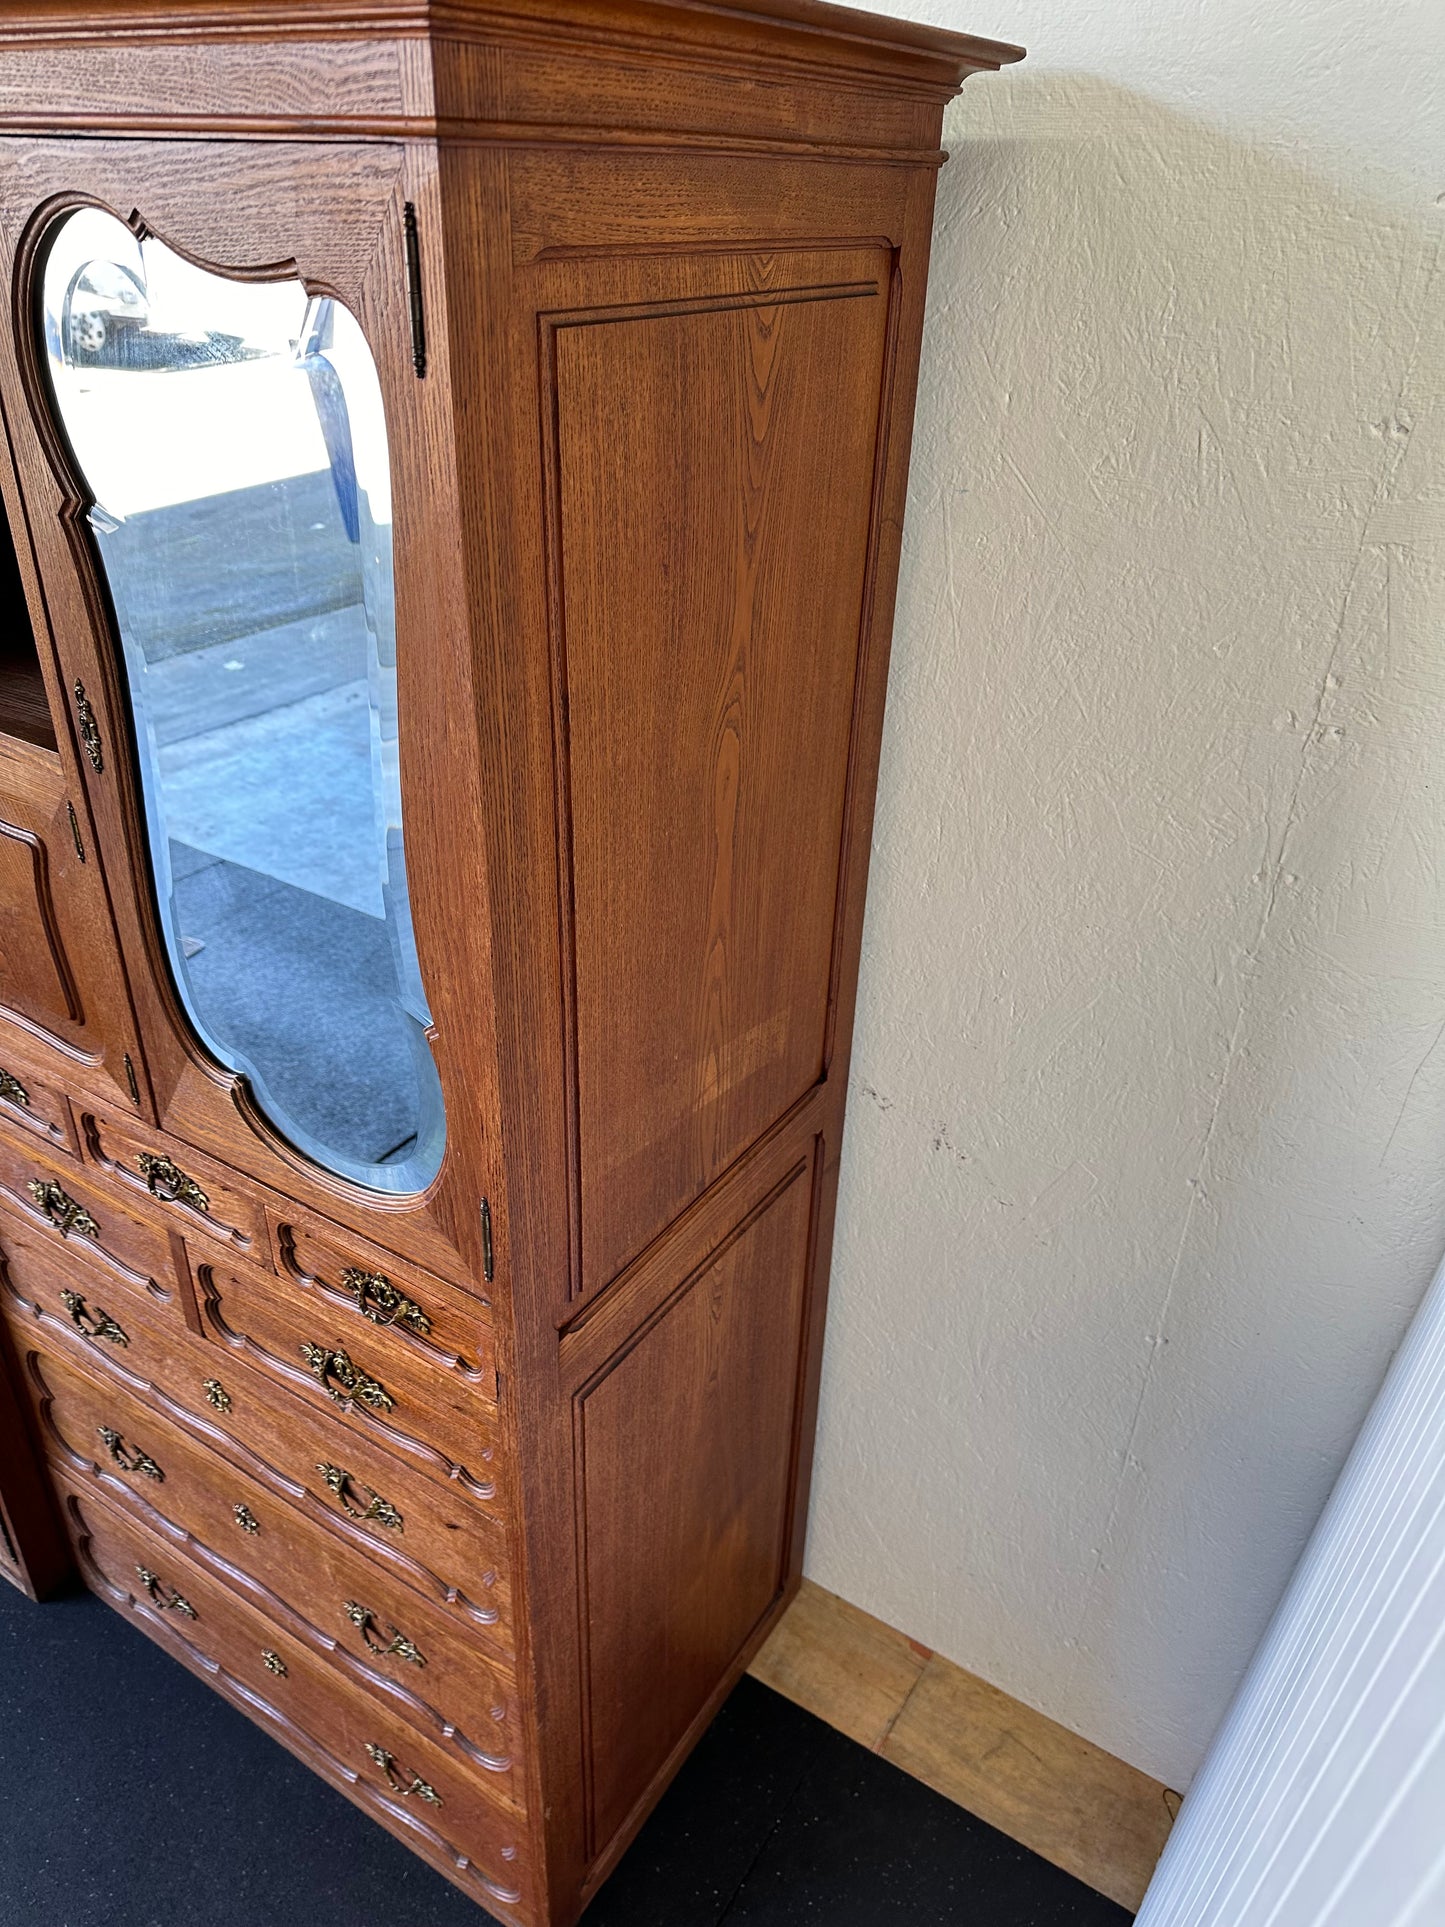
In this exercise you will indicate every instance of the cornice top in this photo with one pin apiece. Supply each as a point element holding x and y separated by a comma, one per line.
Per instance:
<point>811,33</point>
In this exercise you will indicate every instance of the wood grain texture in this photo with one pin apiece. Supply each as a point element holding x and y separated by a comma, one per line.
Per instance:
<point>1042,1785</point>
<point>709,693</point>
<point>332,1727</point>
<point>685,1441</point>
<point>841,1664</point>
<point>1055,1793</point>
<point>63,1001</point>
<point>648,498</point>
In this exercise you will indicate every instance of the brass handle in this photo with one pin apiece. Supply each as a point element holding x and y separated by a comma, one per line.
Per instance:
<point>216,1394</point>
<point>343,1380</point>
<point>127,1457</point>
<point>67,1214</point>
<point>163,1596</point>
<point>246,1519</point>
<point>95,1324</point>
<point>13,1091</point>
<point>168,1182</point>
<point>377,1508</point>
<point>89,728</point>
<point>378,1299</point>
<point>402,1782</point>
<point>398,1646</point>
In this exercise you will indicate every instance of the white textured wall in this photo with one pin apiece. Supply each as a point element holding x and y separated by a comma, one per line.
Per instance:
<point>1145,1169</point>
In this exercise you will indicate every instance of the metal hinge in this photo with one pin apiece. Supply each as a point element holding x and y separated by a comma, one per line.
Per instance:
<point>75,831</point>
<point>413,288</point>
<point>487,1257</point>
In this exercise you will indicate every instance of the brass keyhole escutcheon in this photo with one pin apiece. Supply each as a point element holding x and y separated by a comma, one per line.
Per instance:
<point>274,1663</point>
<point>216,1394</point>
<point>246,1519</point>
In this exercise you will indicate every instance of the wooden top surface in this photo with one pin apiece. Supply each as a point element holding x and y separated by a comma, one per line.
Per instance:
<point>808,31</point>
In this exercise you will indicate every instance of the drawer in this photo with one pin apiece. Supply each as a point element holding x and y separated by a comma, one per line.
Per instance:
<point>175,1184</point>
<point>380,1382</point>
<point>353,1609</point>
<point>451,1553</point>
<point>103,1258</point>
<point>278,1678</point>
<point>405,1314</point>
<point>36,1110</point>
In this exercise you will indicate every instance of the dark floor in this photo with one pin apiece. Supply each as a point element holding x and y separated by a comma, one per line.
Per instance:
<point>132,1796</point>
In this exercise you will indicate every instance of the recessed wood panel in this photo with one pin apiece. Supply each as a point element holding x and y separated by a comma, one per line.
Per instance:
<point>716,472</point>
<point>35,979</point>
<point>686,1443</point>
<point>60,978</point>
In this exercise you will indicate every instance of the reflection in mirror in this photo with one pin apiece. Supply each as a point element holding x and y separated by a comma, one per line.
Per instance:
<point>231,438</point>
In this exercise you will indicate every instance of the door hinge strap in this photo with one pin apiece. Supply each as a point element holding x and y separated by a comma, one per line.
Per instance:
<point>413,289</point>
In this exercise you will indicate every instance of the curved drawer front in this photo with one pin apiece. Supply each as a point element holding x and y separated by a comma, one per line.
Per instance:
<point>54,1207</point>
<point>174,1184</point>
<point>407,1317</point>
<point>35,1110</point>
<point>450,1548</point>
<point>377,1380</point>
<point>353,1609</point>
<point>105,1303</point>
<point>278,1678</point>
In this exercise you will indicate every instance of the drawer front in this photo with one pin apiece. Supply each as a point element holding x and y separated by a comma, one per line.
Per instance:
<point>453,1555</point>
<point>380,1634</point>
<point>403,1314</point>
<point>375,1380</point>
<point>76,1219</point>
<point>102,1304</point>
<point>173,1184</point>
<point>36,1111</point>
<point>278,1678</point>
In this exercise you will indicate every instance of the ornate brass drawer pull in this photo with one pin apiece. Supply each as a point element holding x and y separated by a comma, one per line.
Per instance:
<point>13,1091</point>
<point>343,1380</point>
<point>67,1214</point>
<point>377,1508</point>
<point>378,1299</point>
<point>402,1782</point>
<point>168,1182</point>
<point>126,1456</point>
<point>163,1596</point>
<point>246,1519</point>
<point>274,1663</point>
<point>397,1647</point>
<point>216,1394</point>
<point>95,1324</point>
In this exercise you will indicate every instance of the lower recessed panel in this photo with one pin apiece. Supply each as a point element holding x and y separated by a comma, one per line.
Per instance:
<point>687,1440</point>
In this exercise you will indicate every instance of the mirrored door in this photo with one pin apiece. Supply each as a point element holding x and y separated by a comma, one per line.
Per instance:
<point>231,439</point>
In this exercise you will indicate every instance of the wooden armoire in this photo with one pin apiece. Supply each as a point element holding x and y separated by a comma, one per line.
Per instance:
<point>453,463</point>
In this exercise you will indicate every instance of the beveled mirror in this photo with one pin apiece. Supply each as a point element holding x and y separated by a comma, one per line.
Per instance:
<point>231,438</point>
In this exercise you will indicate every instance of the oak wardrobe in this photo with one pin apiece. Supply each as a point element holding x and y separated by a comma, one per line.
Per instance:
<point>453,463</point>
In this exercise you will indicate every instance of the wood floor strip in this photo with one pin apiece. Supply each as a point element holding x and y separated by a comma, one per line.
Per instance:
<point>1043,1786</point>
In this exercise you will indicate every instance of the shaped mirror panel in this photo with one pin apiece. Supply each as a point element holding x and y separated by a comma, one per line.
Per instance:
<point>230,435</point>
